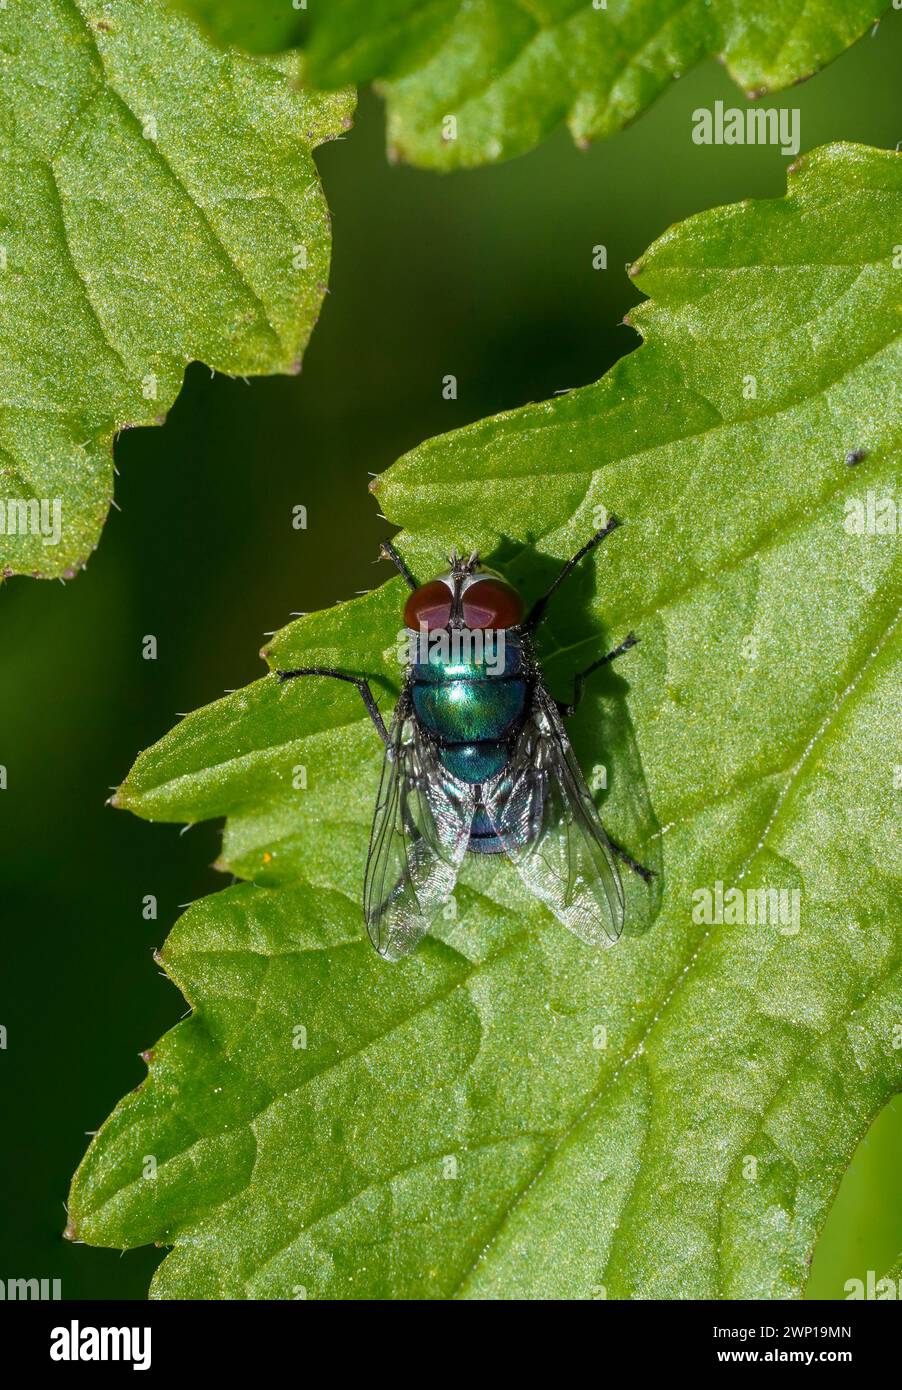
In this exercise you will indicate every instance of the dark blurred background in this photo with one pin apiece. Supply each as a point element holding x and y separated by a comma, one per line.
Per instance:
<point>487,275</point>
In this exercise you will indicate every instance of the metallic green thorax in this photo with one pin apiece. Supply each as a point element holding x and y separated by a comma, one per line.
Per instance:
<point>473,707</point>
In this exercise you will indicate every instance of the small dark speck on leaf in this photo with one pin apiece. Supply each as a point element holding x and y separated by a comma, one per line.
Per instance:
<point>855,456</point>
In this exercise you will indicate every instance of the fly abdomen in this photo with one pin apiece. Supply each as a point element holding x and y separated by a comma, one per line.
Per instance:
<point>470,711</point>
<point>474,762</point>
<point>484,838</point>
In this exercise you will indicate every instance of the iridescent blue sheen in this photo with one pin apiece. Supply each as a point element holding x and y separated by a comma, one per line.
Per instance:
<point>474,762</point>
<point>483,839</point>
<point>473,709</point>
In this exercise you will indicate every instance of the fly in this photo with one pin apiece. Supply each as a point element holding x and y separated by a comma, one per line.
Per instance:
<point>477,760</point>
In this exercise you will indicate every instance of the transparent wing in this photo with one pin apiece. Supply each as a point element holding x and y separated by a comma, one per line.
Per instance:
<point>420,833</point>
<point>544,815</point>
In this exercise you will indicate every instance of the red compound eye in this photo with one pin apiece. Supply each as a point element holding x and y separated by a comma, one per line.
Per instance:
<point>492,603</point>
<point>430,604</point>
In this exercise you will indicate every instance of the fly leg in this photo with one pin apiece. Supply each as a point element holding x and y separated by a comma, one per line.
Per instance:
<point>387,552</point>
<point>629,641</point>
<point>537,612</point>
<point>362,685</point>
<point>645,874</point>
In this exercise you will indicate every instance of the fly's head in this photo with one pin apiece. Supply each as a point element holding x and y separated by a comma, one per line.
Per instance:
<point>468,596</point>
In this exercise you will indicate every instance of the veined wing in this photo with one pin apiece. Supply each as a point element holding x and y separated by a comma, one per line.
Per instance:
<point>419,838</point>
<point>544,815</point>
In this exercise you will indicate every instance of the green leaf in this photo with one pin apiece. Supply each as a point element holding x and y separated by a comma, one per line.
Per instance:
<point>156,195</point>
<point>263,26</point>
<point>508,1113</point>
<point>511,73</point>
